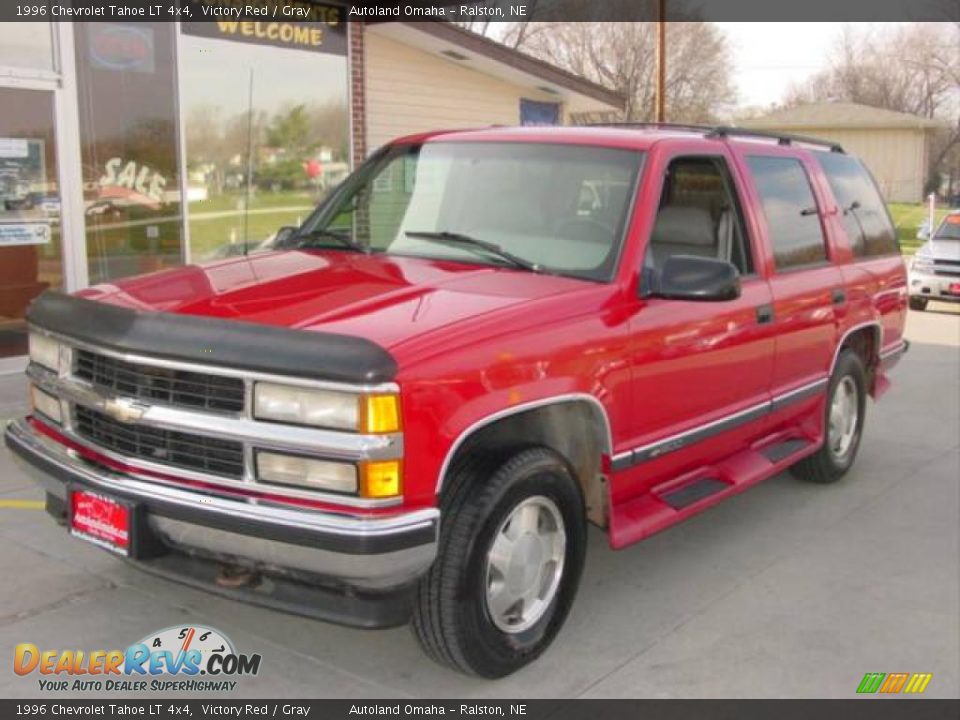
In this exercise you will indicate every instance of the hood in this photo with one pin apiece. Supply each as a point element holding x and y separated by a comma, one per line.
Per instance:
<point>385,299</point>
<point>941,250</point>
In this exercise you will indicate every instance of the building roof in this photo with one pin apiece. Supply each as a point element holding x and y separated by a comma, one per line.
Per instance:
<point>488,56</point>
<point>839,115</point>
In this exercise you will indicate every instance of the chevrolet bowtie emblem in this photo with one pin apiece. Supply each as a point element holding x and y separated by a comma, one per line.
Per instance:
<point>123,410</point>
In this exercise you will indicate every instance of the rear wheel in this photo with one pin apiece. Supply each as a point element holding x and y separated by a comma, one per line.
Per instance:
<point>846,405</point>
<point>918,303</point>
<point>512,547</point>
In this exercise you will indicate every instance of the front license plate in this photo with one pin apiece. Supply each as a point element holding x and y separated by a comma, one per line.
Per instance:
<point>100,519</point>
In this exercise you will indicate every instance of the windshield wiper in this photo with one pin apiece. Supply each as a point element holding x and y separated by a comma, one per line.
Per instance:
<point>452,238</point>
<point>344,237</point>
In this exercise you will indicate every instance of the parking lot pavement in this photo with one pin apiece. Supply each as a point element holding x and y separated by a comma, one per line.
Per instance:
<point>789,590</point>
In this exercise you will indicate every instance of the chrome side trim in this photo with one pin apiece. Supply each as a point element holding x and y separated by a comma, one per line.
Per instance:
<point>895,349</point>
<point>678,441</point>
<point>516,410</point>
<point>314,441</point>
<point>19,432</point>
<point>218,370</point>
<point>848,333</point>
<point>797,394</point>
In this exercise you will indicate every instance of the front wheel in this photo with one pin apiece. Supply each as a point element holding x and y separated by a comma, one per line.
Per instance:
<point>846,406</point>
<point>512,545</point>
<point>918,303</point>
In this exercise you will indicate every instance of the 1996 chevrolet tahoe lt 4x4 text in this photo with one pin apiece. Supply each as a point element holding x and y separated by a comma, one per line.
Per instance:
<point>410,408</point>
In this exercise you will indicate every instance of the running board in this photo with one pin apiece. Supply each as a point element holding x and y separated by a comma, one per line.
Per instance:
<point>677,499</point>
<point>693,492</point>
<point>784,449</point>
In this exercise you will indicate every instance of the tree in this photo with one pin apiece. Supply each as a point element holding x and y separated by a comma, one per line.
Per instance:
<point>290,132</point>
<point>913,69</point>
<point>621,56</point>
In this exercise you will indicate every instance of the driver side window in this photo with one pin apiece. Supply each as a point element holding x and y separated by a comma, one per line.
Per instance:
<point>699,214</point>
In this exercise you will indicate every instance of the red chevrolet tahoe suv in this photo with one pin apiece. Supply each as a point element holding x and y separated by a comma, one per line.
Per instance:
<point>410,407</point>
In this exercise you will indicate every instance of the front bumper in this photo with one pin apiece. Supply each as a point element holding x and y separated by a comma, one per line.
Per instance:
<point>356,570</point>
<point>933,287</point>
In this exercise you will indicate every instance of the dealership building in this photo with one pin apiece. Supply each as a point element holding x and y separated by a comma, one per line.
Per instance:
<point>130,147</point>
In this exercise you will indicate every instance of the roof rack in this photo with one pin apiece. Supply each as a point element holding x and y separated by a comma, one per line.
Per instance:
<point>726,131</point>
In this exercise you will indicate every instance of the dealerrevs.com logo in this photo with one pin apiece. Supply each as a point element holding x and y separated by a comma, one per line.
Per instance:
<point>191,658</point>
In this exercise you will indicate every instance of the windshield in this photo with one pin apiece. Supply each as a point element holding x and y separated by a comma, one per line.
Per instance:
<point>552,208</point>
<point>949,229</point>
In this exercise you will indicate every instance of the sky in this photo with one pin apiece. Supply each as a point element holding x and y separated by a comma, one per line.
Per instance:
<point>769,57</point>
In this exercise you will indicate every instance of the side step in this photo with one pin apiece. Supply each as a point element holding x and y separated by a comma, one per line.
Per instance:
<point>693,492</point>
<point>663,505</point>
<point>782,450</point>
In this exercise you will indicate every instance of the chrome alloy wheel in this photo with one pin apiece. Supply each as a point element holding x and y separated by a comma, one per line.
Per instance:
<point>844,417</point>
<point>525,564</point>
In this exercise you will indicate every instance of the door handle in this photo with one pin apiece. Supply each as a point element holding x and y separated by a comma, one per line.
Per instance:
<point>765,314</point>
<point>838,296</point>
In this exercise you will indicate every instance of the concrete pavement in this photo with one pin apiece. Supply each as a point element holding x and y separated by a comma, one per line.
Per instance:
<point>789,590</point>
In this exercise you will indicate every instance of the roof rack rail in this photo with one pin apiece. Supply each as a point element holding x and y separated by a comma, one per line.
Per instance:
<point>665,125</point>
<point>727,131</point>
<point>724,131</point>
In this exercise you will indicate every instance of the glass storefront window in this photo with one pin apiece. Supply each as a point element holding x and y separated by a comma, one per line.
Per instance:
<point>30,257</point>
<point>266,121</point>
<point>26,45</point>
<point>129,149</point>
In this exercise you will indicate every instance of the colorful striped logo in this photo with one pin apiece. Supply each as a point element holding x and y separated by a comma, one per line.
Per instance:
<point>893,683</point>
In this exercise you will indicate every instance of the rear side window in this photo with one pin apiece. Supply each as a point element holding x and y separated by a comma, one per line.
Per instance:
<point>865,216</point>
<point>793,222</point>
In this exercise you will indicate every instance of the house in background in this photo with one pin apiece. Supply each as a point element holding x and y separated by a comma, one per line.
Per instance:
<point>895,146</point>
<point>424,76</point>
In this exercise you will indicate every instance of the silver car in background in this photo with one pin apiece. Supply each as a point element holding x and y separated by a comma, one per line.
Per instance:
<point>935,269</point>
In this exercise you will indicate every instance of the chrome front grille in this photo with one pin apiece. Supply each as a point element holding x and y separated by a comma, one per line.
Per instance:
<point>177,449</point>
<point>178,418</point>
<point>950,268</point>
<point>174,387</point>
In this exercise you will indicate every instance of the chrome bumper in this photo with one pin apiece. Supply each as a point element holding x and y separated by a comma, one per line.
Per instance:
<point>372,553</point>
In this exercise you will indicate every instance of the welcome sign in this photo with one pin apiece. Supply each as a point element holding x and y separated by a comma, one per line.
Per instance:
<point>293,25</point>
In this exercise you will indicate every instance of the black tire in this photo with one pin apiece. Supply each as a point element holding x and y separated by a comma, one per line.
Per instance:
<point>825,465</point>
<point>918,303</point>
<point>450,617</point>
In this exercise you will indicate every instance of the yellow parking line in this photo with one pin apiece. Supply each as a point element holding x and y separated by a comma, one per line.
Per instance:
<point>23,504</point>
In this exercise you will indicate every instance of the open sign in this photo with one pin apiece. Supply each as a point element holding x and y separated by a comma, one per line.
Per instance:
<point>121,47</point>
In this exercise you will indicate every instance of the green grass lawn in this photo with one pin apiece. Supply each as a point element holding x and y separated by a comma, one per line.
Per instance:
<point>207,234</point>
<point>907,217</point>
<point>233,201</point>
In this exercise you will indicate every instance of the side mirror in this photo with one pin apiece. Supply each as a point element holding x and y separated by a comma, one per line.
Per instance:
<point>283,236</point>
<point>687,277</point>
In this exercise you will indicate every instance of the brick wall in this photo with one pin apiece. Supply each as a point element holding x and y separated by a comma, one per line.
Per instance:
<point>358,109</point>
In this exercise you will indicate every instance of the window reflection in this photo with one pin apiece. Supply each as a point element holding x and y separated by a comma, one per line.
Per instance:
<point>793,219</point>
<point>128,129</point>
<point>267,136</point>
<point>26,45</point>
<point>30,257</point>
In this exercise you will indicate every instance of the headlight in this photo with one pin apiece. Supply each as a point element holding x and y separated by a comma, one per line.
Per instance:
<point>305,406</point>
<point>45,404</point>
<point>922,265</point>
<point>306,472</point>
<point>44,351</point>
<point>326,408</point>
